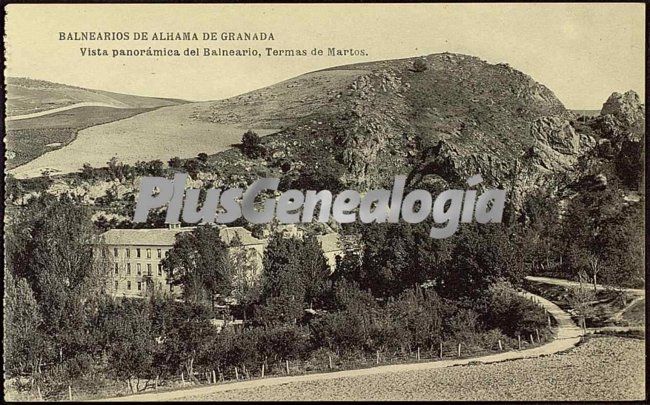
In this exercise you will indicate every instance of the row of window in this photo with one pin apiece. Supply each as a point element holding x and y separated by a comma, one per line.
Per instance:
<point>138,253</point>
<point>140,285</point>
<point>138,267</point>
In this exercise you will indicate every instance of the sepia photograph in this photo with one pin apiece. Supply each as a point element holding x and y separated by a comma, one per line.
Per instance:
<point>324,202</point>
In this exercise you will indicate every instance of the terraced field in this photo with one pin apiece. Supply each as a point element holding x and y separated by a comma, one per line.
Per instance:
<point>604,368</point>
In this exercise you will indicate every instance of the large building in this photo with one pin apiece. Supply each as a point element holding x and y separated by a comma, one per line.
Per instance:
<point>136,256</point>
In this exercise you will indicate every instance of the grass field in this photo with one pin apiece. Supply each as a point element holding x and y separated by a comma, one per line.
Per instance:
<point>181,130</point>
<point>29,138</point>
<point>159,134</point>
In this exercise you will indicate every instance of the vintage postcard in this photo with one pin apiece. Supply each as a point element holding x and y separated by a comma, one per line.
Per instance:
<point>324,202</point>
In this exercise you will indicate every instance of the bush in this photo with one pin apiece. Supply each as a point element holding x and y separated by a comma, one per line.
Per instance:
<point>202,157</point>
<point>420,65</point>
<point>512,313</point>
<point>175,162</point>
<point>252,144</point>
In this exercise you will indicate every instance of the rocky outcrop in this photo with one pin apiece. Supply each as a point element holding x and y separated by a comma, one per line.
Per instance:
<point>625,107</point>
<point>556,133</point>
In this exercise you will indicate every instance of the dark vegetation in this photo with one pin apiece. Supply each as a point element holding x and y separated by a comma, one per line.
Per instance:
<point>385,300</point>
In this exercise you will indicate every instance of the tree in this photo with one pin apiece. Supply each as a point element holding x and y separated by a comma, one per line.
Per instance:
<point>127,337</point>
<point>294,268</point>
<point>202,157</point>
<point>175,162</point>
<point>418,312</point>
<point>483,254</point>
<point>191,166</point>
<point>185,333</point>
<point>246,281</point>
<point>584,222</point>
<point>251,144</point>
<point>67,275</point>
<point>24,344</point>
<point>87,172</point>
<point>199,262</point>
<point>419,65</point>
<point>581,299</point>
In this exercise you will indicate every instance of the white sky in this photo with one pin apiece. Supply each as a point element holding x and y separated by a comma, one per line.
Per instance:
<point>583,52</point>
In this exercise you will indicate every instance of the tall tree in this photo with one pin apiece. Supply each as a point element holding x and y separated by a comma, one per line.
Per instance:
<point>295,268</point>
<point>199,262</point>
<point>65,272</point>
<point>24,344</point>
<point>125,328</point>
<point>483,254</point>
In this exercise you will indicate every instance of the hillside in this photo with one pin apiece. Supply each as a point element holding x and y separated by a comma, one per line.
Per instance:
<point>44,116</point>
<point>380,115</point>
<point>439,119</point>
<point>27,96</point>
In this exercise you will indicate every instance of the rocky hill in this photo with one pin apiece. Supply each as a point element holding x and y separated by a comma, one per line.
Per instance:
<point>438,119</point>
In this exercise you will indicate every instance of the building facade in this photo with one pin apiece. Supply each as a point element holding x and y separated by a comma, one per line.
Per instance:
<point>136,256</point>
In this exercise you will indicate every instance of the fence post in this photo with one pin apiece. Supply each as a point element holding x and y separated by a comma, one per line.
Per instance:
<point>500,346</point>
<point>418,353</point>
<point>459,350</point>
<point>538,339</point>
<point>182,378</point>
<point>214,377</point>
<point>532,341</point>
<point>519,341</point>
<point>69,392</point>
<point>330,359</point>
<point>441,349</point>
<point>287,363</point>
<point>262,370</point>
<point>236,374</point>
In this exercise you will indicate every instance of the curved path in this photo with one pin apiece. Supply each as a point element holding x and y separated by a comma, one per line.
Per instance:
<point>65,108</point>
<point>567,336</point>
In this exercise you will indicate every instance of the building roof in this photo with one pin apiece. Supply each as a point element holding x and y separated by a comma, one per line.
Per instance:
<point>154,237</point>
<point>167,237</point>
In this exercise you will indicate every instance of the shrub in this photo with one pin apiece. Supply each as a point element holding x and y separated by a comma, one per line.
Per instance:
<point>512,313</point>
<point>252,144</point>
<point>419,65</point>
<point>175,162</point>
<point>202,157</point>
